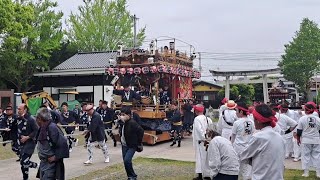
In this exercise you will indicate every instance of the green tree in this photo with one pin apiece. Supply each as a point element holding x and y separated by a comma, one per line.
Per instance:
<point>246,91</point>
<point>102,25</point>
<point>31,33</point>
<point>301,59</point>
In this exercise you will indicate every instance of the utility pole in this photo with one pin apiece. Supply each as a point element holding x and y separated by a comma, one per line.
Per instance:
<point>200,67</point>
<point>134,31</point>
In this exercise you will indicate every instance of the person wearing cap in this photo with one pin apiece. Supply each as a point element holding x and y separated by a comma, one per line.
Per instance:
<point>222,106</point>
<point>227,118</point>
<point>201,125</point>
<point>266,148</point>
<point>308,138</point>
<point>222,159</point>
<point>96,133</point>
<point>131,139</point>
<point>176,124</point>
<point>10,123</point>
<point>242,132</point>
<point>287,126</point>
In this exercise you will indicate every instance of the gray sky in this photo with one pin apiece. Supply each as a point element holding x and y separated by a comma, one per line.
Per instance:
<point>222,26</point>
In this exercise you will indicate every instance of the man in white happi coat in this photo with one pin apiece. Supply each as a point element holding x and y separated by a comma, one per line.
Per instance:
<point>226,120</point>
<point>242,132</point>
<point>266,148</point>
<point>308,137</point>
<point>287,125</point>
<point>201,125</point>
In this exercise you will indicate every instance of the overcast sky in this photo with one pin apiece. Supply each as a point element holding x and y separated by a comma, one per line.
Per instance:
<point>222,25</point>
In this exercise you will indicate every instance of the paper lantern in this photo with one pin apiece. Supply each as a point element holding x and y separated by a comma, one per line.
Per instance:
<point>130,71</point>
<point>153,69</point>
<point>145,70</point>
<point>137,70</point>
<point>186,73</point>
<point>115,71</point>
<point>123,71</point>
<point>110,71</point>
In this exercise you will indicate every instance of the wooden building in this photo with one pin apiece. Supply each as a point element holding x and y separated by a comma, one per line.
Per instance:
<point>206,92</point>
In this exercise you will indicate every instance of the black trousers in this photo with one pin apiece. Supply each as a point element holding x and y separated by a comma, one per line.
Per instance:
<point>26,164</point>
<point>71,139</point>
<point>176,130</point>
<point>225,177</point>
<point>108,127</point>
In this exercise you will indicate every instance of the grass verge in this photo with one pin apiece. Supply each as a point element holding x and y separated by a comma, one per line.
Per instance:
<point>160,169</point>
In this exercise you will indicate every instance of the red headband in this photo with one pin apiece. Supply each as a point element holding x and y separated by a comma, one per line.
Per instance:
<point>199,108</point>
<point>243,109</point>
<point>309,111</point>
<point>260,118</point>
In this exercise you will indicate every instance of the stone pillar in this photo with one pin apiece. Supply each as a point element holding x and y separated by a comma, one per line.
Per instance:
<point>265,88</point>
<point>227,88</point>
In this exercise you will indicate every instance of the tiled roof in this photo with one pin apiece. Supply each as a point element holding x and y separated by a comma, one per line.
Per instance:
<point>87,61</point>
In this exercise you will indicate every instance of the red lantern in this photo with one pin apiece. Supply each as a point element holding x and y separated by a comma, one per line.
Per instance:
<point>130,71</point>
<point>186,73</point>
<point>110,71</point>
<point>153,69</point>
<point>137,70</point>
<point>145,70</point>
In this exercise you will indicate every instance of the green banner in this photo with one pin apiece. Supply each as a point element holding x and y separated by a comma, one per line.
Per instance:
<point>33,105</point>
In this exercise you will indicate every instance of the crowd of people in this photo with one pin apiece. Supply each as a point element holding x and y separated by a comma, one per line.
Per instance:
<point>253,142</point>
<point>44,131</point>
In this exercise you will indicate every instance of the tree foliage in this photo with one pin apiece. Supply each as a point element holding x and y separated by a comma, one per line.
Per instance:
<point>301,59</point>
<point>102,25</point>
<point>30,33</point>
<point>246,91</point>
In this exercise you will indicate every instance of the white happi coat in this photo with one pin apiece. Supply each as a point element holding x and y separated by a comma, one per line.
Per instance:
<point>266,150</point>
<point>310,141</point>
<point>200,125</point>
<point>222,158</point>
<point>285,122</point>
<point>230,116</point>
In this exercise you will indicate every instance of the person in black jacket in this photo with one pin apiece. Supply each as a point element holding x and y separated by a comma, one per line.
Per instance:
<point>97,134</point>
<point>27,130</point>
<point>52,147</point>
<point>188,116</point>
<point>107,116</point>
<point>69,118</point>
<point>10,123</point>
<point>176,124</point>
<point>131,140</point>
<point>127,94</point>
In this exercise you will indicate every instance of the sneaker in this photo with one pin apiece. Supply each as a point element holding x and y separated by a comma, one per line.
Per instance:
<point>296,160</point>
<point>89,162</point>
<point>77,142</point>
<point>107,160</point>
<point>18,160</point>
<point>305,175</point>
<point>173,144</point>
<point>70,150</point>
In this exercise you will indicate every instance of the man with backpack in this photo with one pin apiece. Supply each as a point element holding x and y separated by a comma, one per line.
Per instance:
<point>52,147</point>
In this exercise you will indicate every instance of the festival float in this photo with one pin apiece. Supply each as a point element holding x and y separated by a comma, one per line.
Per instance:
<point>154,69</point>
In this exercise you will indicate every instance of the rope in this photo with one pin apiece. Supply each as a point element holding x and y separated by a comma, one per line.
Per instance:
<point>5,142</point>
<point>71,125</point>
<point>4,129</point>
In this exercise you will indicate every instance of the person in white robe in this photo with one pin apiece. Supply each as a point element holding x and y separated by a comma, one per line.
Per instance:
<point>242,132</point>
<point>308,137</point>
<point>287,125</point>
<point>266,148</point>
<point>201,125</point>
<point>226,120</point>
<point>222,159</point>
